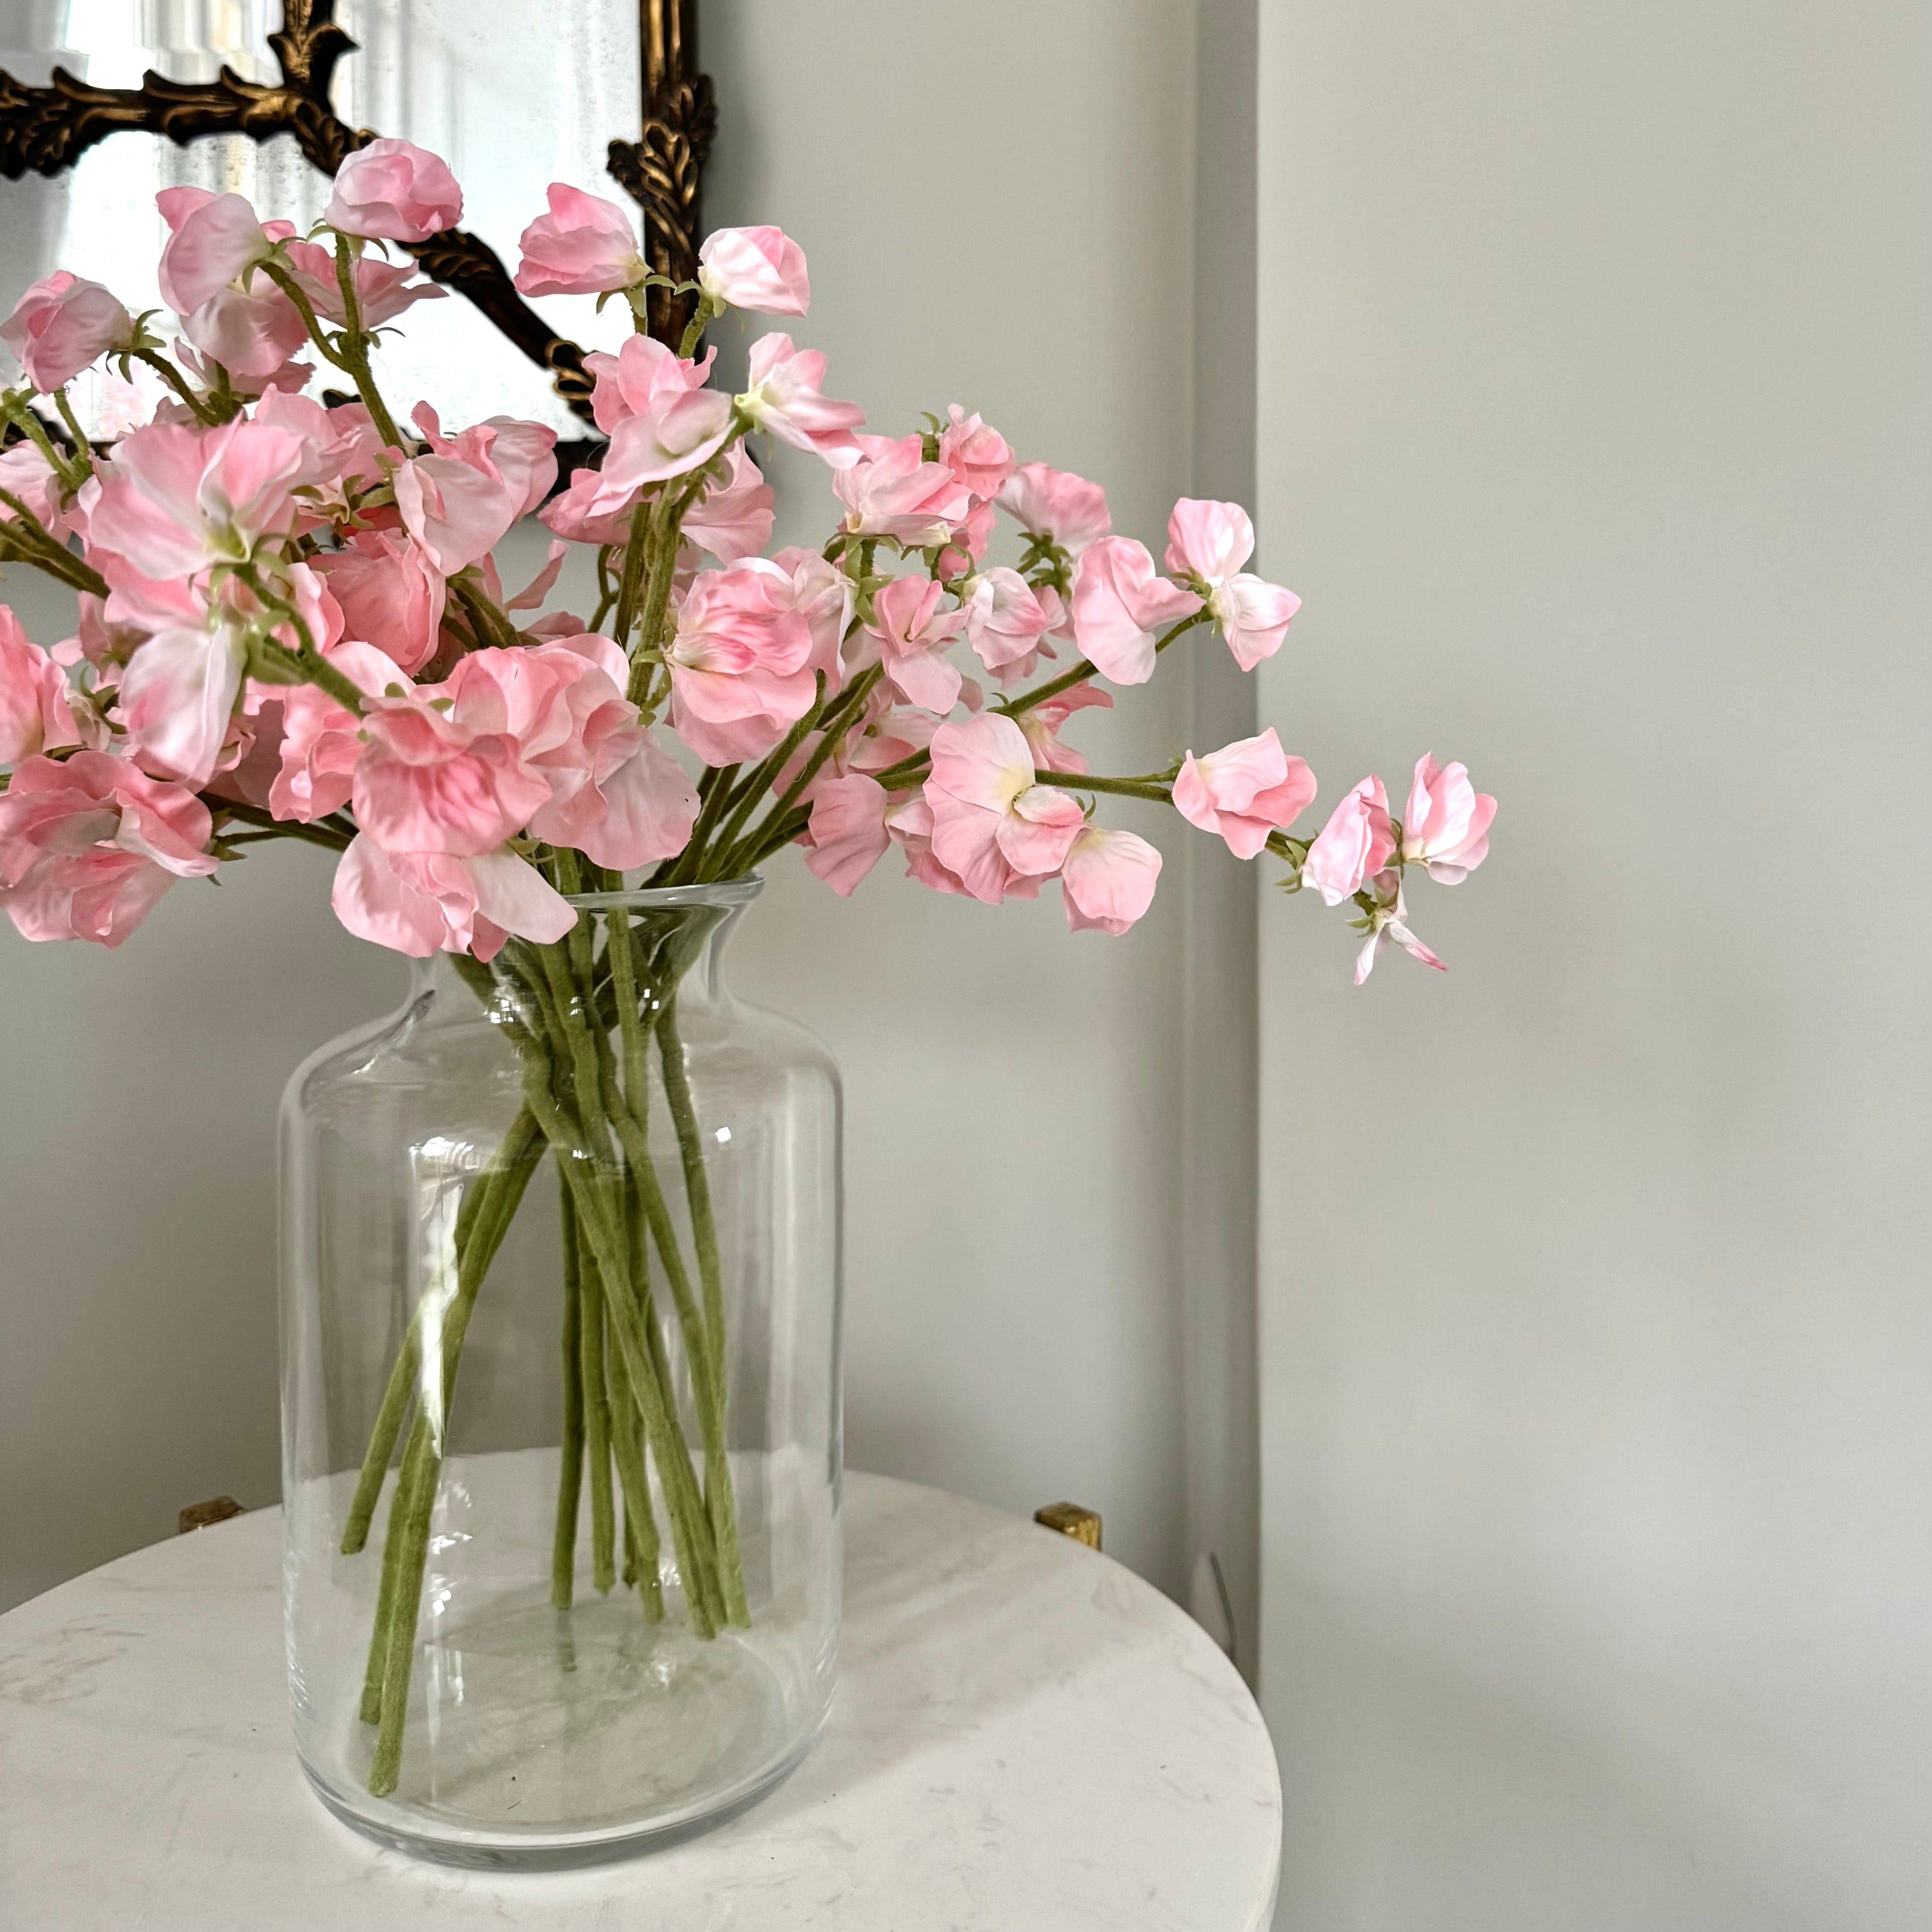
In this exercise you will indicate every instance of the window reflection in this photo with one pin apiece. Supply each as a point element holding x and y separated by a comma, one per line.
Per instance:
<point>513,96</point>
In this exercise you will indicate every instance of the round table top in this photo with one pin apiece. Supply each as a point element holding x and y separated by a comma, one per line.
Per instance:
<point>1025,1736</point>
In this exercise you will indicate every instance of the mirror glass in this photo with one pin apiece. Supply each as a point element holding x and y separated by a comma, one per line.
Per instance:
<point>513,96</point>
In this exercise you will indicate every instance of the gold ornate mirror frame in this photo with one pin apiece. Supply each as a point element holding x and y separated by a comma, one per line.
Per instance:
<point>45,130</point>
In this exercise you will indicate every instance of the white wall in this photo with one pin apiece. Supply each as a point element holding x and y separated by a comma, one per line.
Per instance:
<point>996,202</point>
<point>1016,1094</point>
<point>1598,1472</point>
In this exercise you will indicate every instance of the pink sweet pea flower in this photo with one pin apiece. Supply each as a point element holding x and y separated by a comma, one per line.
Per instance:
<point>459,500</point>
<point>344,447</point>
<point>432,782</point>
<point>733,518</point>
<point>1357,842</point>
<point>62,324</point>
<point>171,500</point>
<point>392,191</point>
<point>1244,791</point>
<point>913,633</point>
<point>1387,922</point>
<point>740,662</point>
<point>1119,604</point>
<point>909,824</point>
<point>822,594</point>
<point>1210,541</point>
<point>215,240</point>
<point>892,491</point>
<point>178,696</point>
<point>978,455</point>
<point>574,516</point>
<point>391,594</point>
<point>321,741</point>
<point>383,290</point>
<point>615,794</point>
<point>762,269</point>
<point>661,419</point>
<point>639,378</point>
<point>419,903</point>
<point>584,246</point>
<point>208,277</point>
<point>1042,723</point>
<point>1447,826</point>
<point>1055,504</point>
<point>88,844</point>
<point>1107,880</point>
<point>253,334</point>
<point>1005,621</point>
<point>847,836</point>
<point>35,713</point>
<point>26,474</point>
<point>783,396</point>
<point>968,541</point>
<point>990,821</point>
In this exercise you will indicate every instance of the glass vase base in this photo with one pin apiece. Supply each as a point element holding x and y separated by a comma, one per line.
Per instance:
<point>578,1737</point>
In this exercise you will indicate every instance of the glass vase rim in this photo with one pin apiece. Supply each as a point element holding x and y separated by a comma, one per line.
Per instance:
<point>709,892</point>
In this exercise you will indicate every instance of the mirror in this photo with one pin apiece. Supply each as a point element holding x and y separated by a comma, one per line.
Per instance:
<point>512,96</point>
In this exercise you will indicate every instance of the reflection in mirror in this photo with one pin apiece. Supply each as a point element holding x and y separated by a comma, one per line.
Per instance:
<point>513,96</point>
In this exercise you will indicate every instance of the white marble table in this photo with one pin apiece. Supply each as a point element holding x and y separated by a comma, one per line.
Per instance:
<point>1026,1738</point>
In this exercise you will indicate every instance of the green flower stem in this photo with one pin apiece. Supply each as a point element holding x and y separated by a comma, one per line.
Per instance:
<point>745,797</point>
<point>602,1217</point>
<point>640,1524</point>
<point>596,1425</point>
<point>172,377</point>
<point>38,546</point>
<point>83,450</point>
<point>406,1546</point>
<point>719,1493</point>
<point>849,705</point>
<point>690,1532</point>
<point>1160,790</point>
<point>492,625</point>
<point>681,870</point>
<point>666,524</point>
<point>636,553</point>
<point>518,1144</point>
<point>570,1468</point>
<point>401,1508</point>
<point>621,1115</point>
<point>704,1331</point>
<point>355,344</point>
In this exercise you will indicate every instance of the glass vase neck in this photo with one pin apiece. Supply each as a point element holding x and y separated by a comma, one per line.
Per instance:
<point>672,937</point>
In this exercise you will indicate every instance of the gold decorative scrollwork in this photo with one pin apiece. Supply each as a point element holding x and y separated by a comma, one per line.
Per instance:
<point>45,130</point>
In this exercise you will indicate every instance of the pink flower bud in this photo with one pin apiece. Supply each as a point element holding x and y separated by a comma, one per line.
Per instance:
<point>762,269</point>
<point>584,246</point>
<point>392,191</point>
<point>60,325</point>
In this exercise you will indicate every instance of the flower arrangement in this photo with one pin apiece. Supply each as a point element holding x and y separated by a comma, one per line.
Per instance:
<point>291,626</point>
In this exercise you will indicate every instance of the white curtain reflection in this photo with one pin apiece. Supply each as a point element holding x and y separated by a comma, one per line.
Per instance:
<point>513,96</point>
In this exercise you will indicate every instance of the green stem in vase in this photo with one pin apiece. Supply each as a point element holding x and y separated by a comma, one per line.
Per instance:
<point>570,1468</point>
<point>522,1137</point>
<point>690,1528</point>
<point>406,1546</point>
<point>719,1494</point>
<point>596,1424</point>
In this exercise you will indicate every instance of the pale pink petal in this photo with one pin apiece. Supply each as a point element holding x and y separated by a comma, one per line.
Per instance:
<point>1107,880</point>
<point>177,696</point>
<point>392,191</point>
<point>848,834</point>
<point>1120,604</point>
<point>1035,834</point>
<point>762,269</point>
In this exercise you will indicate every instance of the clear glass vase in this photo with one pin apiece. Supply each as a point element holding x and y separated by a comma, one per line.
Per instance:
<point>560,1396</point>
